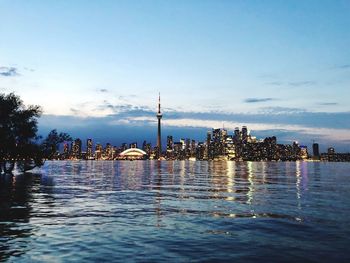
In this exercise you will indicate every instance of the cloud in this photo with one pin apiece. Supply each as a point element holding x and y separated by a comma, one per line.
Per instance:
<point>9,71</point>
<point>255,100</point>
<point>328,103</point>
<point>281,110</point>
<point>292,83</point>
<point>275,83</point>
<point>75,111</point>
<point>344,66</point>
<point>29,69</point>
<point>301,83</point>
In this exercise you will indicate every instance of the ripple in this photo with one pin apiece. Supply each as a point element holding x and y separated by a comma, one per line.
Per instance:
<point>176,211</point>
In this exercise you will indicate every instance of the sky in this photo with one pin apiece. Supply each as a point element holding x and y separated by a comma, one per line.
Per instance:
<point>96,67</point>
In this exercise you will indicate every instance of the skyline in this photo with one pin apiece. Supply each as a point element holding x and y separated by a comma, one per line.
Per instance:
<point>282,67</point>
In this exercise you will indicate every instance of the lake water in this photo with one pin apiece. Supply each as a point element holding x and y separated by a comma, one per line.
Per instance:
<point>151,211</point>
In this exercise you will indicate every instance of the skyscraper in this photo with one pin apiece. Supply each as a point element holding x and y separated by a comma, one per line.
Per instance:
<point>316,151</point>
<point>89,148</point>
<point>159,138</point>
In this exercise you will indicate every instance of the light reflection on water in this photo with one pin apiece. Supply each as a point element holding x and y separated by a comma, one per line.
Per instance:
<point>177,211</point>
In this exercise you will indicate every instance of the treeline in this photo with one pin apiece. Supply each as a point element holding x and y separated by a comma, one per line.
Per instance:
<point>19,142</point>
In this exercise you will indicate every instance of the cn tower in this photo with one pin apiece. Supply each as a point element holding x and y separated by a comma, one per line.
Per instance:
<point>159,138</point>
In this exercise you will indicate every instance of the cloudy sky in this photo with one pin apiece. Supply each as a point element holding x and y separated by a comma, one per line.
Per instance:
<point>280,67</point>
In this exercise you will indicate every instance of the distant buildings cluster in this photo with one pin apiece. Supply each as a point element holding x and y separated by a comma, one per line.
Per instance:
<point>218,145</point>
<point>330,155</point>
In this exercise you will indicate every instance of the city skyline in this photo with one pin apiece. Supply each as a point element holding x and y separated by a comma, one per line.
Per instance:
<point>279,68</point>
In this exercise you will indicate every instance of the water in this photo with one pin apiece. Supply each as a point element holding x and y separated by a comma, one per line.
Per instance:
<point>95,211</point>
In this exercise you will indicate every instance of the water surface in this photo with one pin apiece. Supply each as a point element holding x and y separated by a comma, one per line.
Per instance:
<point>91,211</point>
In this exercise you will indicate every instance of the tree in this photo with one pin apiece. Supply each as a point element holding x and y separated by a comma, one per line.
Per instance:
<point>18,138</point>
<point>52,142</point>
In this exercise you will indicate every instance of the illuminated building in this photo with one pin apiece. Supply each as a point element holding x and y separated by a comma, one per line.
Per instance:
<point>244,134</point>
<point>218,143</point>
<point>237,135</point>
<point>89,149</point>
<point>170,147</point>
<point>178,151</point>
<point>98,151</point>
<point>207,153</point>
<point>200,151</point>
<point>193,148</point>
<point>108,153</point>
<point>147,148</point>
<point>76,148</point>
<point>133,154</point>
<point>230,152</point>
<point>331,154</point>
<point>169,143</point>
<point>65,151</point>
<point>303,152</point>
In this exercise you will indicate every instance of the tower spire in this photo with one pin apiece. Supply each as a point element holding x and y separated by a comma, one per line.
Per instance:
<point>159,138</point>
<point>159,103</point>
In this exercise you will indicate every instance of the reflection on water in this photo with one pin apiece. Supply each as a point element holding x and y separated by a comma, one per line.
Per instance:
<point>176,210</point>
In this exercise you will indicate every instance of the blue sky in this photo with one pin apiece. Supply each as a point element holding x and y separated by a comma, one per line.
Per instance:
<point>280,67</point>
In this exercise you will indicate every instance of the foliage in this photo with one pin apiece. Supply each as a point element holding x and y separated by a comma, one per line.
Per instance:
<point>18,128</point>
<point>52,142</point>
<point>18,136</point>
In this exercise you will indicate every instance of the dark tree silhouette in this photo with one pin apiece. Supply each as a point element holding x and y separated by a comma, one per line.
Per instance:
<point>18,128</point>
<point>52,142</point>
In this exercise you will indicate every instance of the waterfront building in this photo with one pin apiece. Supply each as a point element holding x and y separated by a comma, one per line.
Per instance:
<point>193,149</point>
<point>147,147</point>
<point>237,135</point>
<point>331,154</point>
<point>108,152</point>
<point>207,152</point>
<point>187,148</point>
<point>218,143</point>
<point>170,148</point>
<point>65,151</point>
<point>315,151</point>
<point>89,149</point>
<point>303,152</point>
<point>76,148</point>
<point>178,151</point>
<point>229,149</point>
<point>244,134</point>
<point>98,151</point>
<point>133,154</point>
<point>200,151</point>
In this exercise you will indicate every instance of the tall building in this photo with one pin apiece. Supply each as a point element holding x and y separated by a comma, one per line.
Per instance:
<point>169,143</point>
<point>98,151</point>
<point>76,148</point>
<point>169,147</point>
<point>65,150</point>
<point>315,151</point>
<point>159,137</point>
<point>244,134</point>
<point>207,153</point>
<point>89,148</point>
